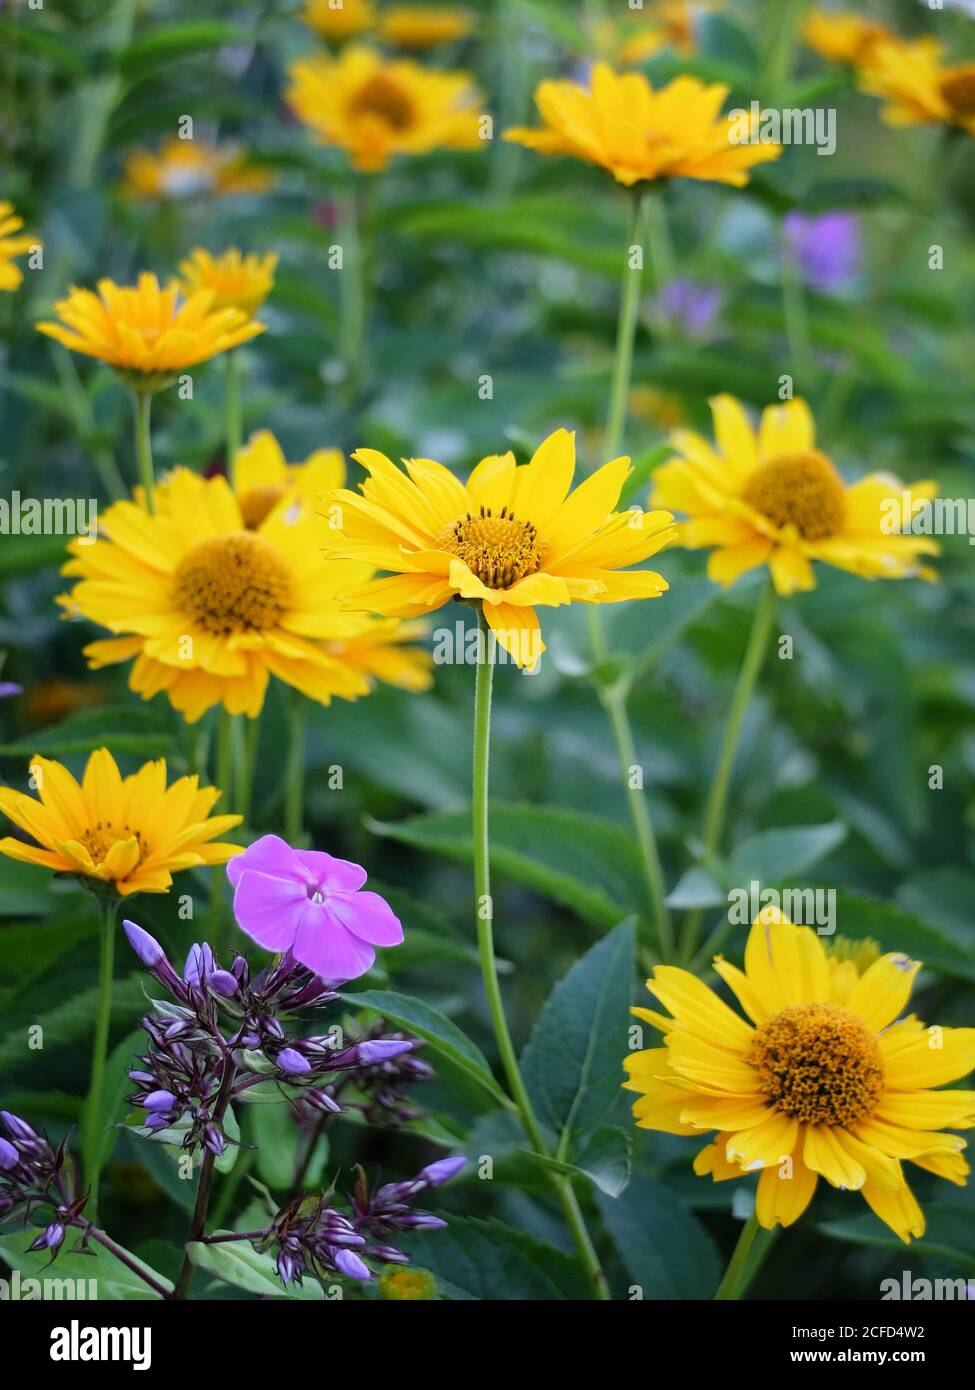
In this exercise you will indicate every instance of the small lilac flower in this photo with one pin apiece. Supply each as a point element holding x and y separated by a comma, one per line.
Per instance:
<point>694,307</point>
<point>309,903</point>
<point>199,965</point>
<point>826,249</point>
<point>8,688</point>
<point>346,1262</point>
<point>382,1049</point>
<point>442,1171</point>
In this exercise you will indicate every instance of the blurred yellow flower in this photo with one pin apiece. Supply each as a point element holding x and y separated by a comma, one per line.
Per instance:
<point>133,832</point>
<point>623,125</point>
<point>211,609</point>
<point>52,700</point>
<point>423,26</point>
<point>145,329</point>
<point>264,479</point>
<point>843,37</point>
<point>511,539</point>
<point>11,245</point>
<point>339,19</point>
<point>823,1078</point>
<point>666,24</point>
<point>374,109</point>
<point>237,281</point>
<point>191,169</point>
<point>769,497</point>
<point>919,87</point>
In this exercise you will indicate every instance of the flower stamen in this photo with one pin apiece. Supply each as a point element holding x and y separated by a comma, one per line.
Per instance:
<point>801,490</point>
<point>233,584</point>
<point>499,550</point>
<point>818,1063</point>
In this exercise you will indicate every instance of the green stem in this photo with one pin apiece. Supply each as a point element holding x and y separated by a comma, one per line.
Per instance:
<point>796,323</point>
<point>717,801</point>
<point>484,922</point>
<point>294,792</point>
<point>626,322</point>
<point>92,1147</point>
<point>198,1219</point>
<point>353,286</point>
<point>783,41</point>
<point>142,405</point>
<point>753,1245</point>
<point>219,916</point>
<point>662,261</point>
<point>244,779</point>
<point>233,416</point>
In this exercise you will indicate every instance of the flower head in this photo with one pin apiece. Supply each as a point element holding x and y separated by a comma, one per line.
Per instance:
<point>147,330</point>
<point>920,88</point>
<point>311,904</point>
<point>339,21</point>
<point>191,169</point>
<point>374,109</point>
<point>133,832</point>
<point>820,1079</point>
<point>237,282</point>
<point>771,497</point>
<point>211,608</point>
<point>692,306</point>
<point>826,248</point>
<point>511,538</point>
<point>423,26</point>
<point>662,24</point>
<point>9,688</point>
<point>638,133</point>
<point>11,245</point>
<point>264,479</point>
<point>843,37</point>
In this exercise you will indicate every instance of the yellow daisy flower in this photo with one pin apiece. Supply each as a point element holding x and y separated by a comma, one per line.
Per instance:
<point>820,1079</point>
<point>11,276</point>
<point>131,832</point>
<point>623,125</point>
<point>768,496</point>
<point>374,109</point>
<point>237,282</point>
<point>210,609</point>
<point>339,19</point>
<point>919,87</point>
<point>191,169</point>
<point>511,538</point>
<point>264,479</point>
<point>423,26</point>
<point>667,24</point>
<point>145,329</point>
<point>843,37</point>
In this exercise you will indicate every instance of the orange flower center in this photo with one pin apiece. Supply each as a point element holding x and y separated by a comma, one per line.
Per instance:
<point>380,96</point>
<point>233,584</point>
<point>958,90</point>
<point>800,490</point>
<point>818,1063</point>
<point>99,839</point>
<point>258,504</point>
<point>500,550</point>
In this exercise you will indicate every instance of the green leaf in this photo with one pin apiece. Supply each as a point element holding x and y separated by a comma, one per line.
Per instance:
<point>135,729</point>
<point>583,863</point>
<point>949,1233</point>
<point>604,1156</point>
<point>238,1263</point>
<point>63,54</point>
<point>73,1021</point>
<point>695,888</point>
<point>572,1063</point>
<point>666,1251</point>
<point>772,856</point>
<point>163,46</point>
<point>113,1099</point>
<point>436,1028</point>
<point>277,1138</point>
<point>113,1279</point>
<point>897,930</point>
<point>477,1259</point>
<point>224,1163</point>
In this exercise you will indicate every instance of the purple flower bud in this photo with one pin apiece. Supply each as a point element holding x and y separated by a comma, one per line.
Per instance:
<point>145,1076</point>
<point>157,1121</point>
<point>422,1221</point>
<point>291,1061</point>
<point>323,1101</point>
<point>381,1050</point>
<point>9,1157</point>
<point>273,1028</point>
<point>214,1140</point>
<point>158,1100</point>
<point>286,1268</point>
<point>176,1029</point>
<point>54,1235</point>
<point>199,964</point>
<point>241,969</point>
<point>348,1263</point>
<point>345,1240</point>
<point>17,1127</point>
<point>442,1171</point>
<point>146,947</point>
<point>223,982</point>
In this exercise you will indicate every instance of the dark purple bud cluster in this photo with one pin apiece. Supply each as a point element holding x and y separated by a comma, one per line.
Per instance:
<point>310,1235</point>
<point>35,1176</point>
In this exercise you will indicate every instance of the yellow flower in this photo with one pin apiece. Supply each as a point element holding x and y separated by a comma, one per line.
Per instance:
<point>237,282</point>
<point>145,329</point>
<point>843,37</point>
<point>512,539</point>
<point>210,609</point>
<point>191,169</point>
<point>339,19</point>
<point>423,26</point>
<point>667,24</point>
<point>622,124</point>
<point>819,1081</point>
<point>919,87</point>
<point>133,832</point>
<point>374,109</point>
<point>264,479</point>
<point>770,497</point>
<point>11,276</point>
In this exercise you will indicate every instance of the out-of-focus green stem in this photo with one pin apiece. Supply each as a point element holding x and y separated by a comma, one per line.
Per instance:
<point>142,406</point>
<point>233,416</point>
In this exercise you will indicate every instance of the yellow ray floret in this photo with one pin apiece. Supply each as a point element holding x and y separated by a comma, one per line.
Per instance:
<point>133,832</point>
<point>265,480</point>
<point>512,539</point>
<point>843,37</point>
<point>638,133</point>
<point>423,26</point>
<point>11,245</point>
<point>191,169</point>
<point>237,282</point>
<point>920,88</point>
<point>339,21</point>
<point>815,1077</point>
<point>209,608</point>
<point>768,496</point>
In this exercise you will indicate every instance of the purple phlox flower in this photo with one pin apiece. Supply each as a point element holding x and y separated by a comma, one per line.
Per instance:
<point>199,965</point>
<point>825,248</point>
<point>310,903</point>
<point>694,307</point>
<point>310,1234</point>
<point>388,1209</point>
<point>9,688</point>
<point>35,1175</point>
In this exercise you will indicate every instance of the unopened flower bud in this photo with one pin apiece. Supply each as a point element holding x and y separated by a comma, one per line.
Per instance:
<point>442,1171</point>
<point>348,1263</point>
<point>223,983</point>
<point>291,1061</point>
<point>214,1140</point>
<point>158,1100</point>
<point>146,947</point>
<point>16,1126</point>
<point>9,1157</point>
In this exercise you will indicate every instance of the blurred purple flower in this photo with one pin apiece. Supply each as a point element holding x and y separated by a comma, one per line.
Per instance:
<point>689,305</point>
<point>826,249</point>
<point>309,903</point>
<point>8,688</point>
